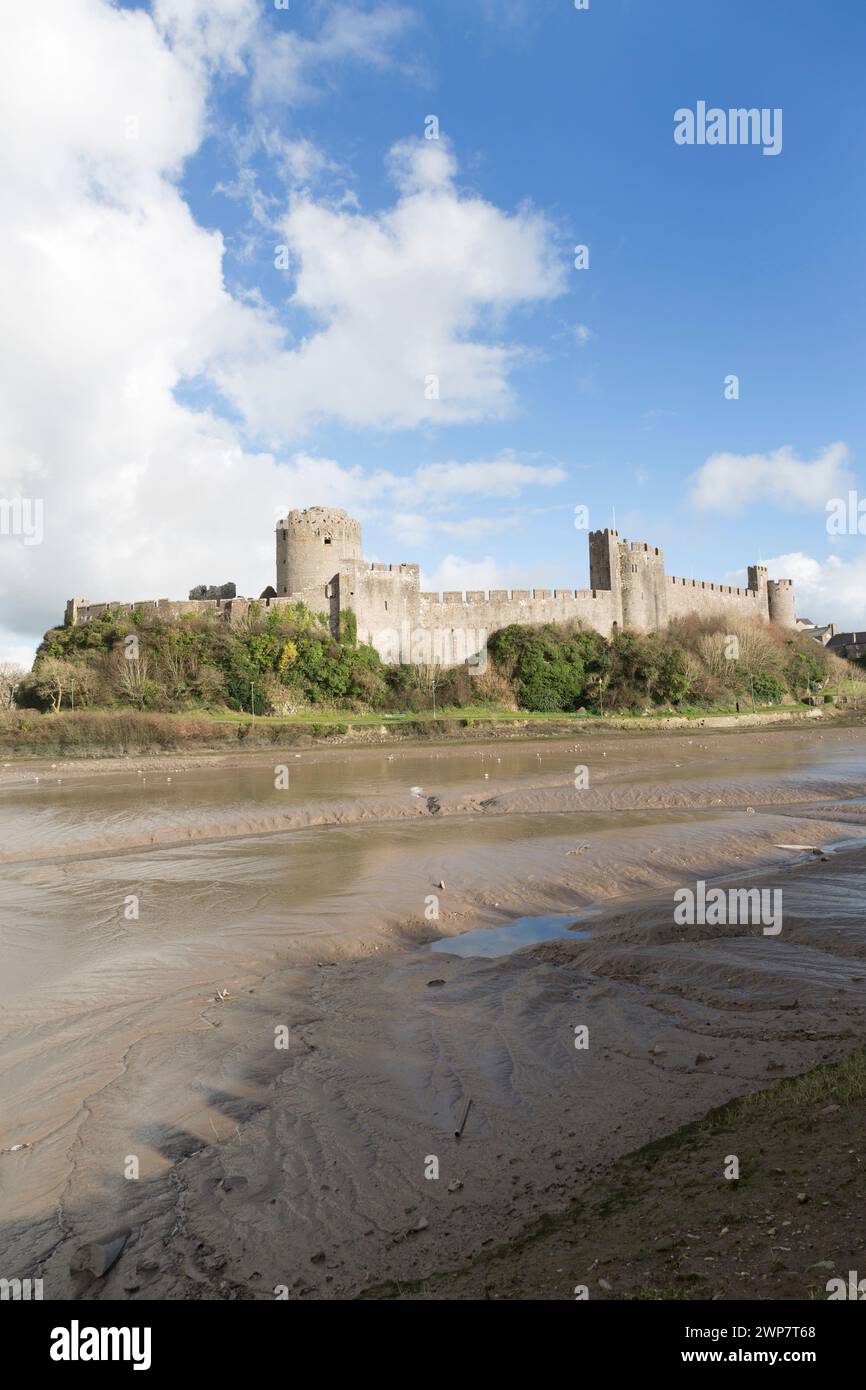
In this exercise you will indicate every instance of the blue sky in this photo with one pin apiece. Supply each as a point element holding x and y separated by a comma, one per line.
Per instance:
<point>242,387</point>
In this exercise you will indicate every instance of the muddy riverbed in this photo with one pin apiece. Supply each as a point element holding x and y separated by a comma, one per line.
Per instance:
<point>282,1135</point>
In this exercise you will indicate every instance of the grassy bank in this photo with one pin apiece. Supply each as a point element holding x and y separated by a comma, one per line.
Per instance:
<point>665,1223</point>
<point>112,733</point>
<point>288,665</point>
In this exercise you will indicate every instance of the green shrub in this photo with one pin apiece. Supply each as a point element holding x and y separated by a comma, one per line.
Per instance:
<point>769,689</point>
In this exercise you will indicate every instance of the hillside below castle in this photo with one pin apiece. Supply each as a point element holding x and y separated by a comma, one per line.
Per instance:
<point>319,562</point>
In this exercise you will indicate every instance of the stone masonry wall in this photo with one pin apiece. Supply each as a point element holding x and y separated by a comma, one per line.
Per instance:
<point>687,597</point>
<point>321,547</point>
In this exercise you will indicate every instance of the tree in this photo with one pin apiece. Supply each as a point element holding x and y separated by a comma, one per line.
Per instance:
<point>11,677</point>
<point>430,677</point>
<point>52,680</point>
<point>132,679</point>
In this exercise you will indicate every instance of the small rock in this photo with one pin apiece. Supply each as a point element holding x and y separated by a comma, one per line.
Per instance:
<point>233,1181</point>
<point>430,983</point>
<point>98,1257</point>
<point>454,1185</point>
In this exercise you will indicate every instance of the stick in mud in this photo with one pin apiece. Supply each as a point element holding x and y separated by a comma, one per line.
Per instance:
<point>458,1132</point>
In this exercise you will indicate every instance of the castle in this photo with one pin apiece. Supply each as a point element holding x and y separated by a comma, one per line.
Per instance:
<point>320,563</point>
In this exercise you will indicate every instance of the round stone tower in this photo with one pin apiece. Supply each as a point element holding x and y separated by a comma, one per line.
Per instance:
<point>780,593</point>
<point>312,545</point>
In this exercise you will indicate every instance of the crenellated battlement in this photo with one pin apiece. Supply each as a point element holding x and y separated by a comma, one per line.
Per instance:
<point>402,571</point>
<point>506,595</point>
<point>320,563</point>
<point>716,588</point>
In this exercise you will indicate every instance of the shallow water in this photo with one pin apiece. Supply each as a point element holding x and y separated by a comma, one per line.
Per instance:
<point>504,941</point>
<point>220,866</point>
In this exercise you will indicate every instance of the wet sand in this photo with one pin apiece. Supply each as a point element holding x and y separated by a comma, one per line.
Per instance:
<point>304,1168</point>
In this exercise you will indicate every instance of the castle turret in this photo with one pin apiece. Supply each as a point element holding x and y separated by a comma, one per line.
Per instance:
<point>780,593</point>
<point>643,585</point>
<point>604,567</point>
<point>312,545</point>
<point>758,584</point>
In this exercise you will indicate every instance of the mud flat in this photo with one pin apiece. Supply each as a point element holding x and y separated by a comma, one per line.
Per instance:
<point>135,1096</point>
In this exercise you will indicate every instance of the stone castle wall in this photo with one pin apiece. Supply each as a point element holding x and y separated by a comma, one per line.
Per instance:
<point>698,598</point>
<point>320,563</point>
<point>497,608</point>
<point>231,610</point>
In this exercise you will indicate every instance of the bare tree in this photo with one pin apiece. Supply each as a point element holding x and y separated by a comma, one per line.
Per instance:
<point>430,676</point>
<point>11,677</point>
<point>132,677</point>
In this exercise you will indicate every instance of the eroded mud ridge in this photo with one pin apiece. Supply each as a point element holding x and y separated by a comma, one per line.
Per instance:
<point>132,900</point>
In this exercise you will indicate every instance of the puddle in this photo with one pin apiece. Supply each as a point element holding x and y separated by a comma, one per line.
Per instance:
<point>502,941</point>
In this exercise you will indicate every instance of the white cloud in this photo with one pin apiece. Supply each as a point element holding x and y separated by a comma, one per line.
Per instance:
<point>419,529</point>
<point>502,477</point>
<point>731,482</point>
<point>217,33</point>
<point>289,68</point>
<point>400,298</point>
<point>12,651</point>
<point>112,297</point>
<point>827,591</point>
<point>433,485</point>
<point>457,575</point>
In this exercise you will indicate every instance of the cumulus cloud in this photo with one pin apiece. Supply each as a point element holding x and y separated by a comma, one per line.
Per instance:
<point>827,591</point>
<point>217,33</point>
<point>732,482</point>
<point>400,302</point>
<point>505,476</point>
<point>113,301</point>
<point>458,574</point>
<point>435,485</point>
